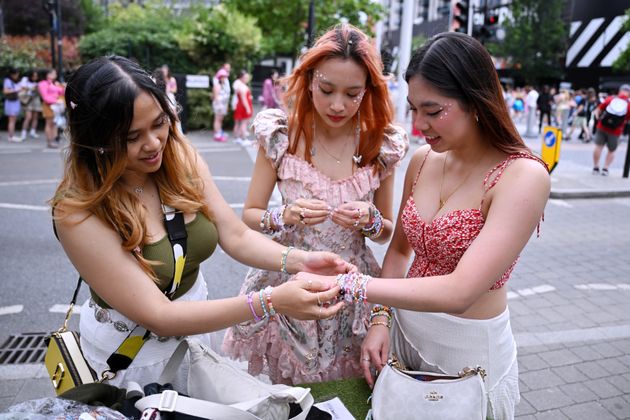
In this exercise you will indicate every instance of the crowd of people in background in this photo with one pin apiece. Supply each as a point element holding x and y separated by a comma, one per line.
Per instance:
<point>33,95</point>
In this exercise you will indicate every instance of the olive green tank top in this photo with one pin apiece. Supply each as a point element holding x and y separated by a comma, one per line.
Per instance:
<point>202,241</point>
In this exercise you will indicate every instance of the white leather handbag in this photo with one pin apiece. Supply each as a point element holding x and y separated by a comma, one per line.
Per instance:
<point>411,395</point>
<point>219,390</point>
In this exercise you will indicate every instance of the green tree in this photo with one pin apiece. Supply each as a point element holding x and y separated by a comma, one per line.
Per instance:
<point>213,36</point>
<point>622,63</point>
<point>94,16</point>
<point>147,33</point>
<point>284,22</point>
<point>536,37</point>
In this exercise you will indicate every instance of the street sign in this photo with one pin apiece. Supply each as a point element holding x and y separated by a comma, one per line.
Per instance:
<point>550,150</point>
<point>197,81</point>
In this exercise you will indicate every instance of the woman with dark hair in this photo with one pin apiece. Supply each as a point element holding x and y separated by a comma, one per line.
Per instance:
<point>243,106</point>
<point>128,168</point>
<point>32,103</point>
<point>472,198</point>
<point>10,89</point>
<point>333,159</point>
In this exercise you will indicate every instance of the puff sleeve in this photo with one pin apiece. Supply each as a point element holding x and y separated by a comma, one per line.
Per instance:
<point>270,130</point>
<point>393,150</point>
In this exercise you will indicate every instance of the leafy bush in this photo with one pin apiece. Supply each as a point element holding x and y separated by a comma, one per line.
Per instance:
<point>200,115</point>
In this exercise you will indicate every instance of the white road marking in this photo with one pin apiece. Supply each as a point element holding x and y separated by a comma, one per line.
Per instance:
<point>560,203</point>
<point>62,309</point>
<point>32,182</point>
<point>543,288</point>
<point>232,178</point>
<point>23,207</point>
<point>572,336</point>
<point>602,286</point>
<point>8,310</point>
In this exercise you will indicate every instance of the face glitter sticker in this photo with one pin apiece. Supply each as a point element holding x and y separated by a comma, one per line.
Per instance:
<point>445,108</point>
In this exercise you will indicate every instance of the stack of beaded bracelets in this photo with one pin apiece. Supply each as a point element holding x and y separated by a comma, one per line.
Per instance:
<point>379,310</point>
<point>374,228</point>
<point>265,302</point>
<point>353,286</point>
<point>274,215</point>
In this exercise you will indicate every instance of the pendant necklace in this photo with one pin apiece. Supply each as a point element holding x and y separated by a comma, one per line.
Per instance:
<point>314,149</point>
<point>138,190</point>
<point>443,201</point>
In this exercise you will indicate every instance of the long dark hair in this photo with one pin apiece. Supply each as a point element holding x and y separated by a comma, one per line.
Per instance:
<point>100,99</point>
<point>459,67</point>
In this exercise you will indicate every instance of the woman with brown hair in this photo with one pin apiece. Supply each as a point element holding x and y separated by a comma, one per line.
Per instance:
<point>333,158</point>
<point>472,198</point>
<point>129,169</point>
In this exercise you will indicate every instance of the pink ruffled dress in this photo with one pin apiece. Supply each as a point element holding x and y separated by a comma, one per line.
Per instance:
<point>292,351</point>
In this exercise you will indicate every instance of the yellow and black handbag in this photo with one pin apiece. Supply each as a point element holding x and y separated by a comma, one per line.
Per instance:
<point>64,359</point>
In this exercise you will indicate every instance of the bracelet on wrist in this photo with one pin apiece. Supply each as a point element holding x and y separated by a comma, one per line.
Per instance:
<point>353,286</point>
<point>384,323</point>
<point>374,228</point>
<point>262,303</point>
<point>283,260</point>
<point>250,302</point>
<point>272,311</point>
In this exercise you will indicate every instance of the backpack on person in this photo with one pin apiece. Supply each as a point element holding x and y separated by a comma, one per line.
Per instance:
<point>615,113</point>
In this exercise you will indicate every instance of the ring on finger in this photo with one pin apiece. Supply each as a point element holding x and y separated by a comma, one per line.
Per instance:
<point>319,302</point>
<point>356,223</point>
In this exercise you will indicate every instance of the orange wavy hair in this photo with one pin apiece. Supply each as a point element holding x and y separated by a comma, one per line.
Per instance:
<point>376,108</point>
<point>97,156</point>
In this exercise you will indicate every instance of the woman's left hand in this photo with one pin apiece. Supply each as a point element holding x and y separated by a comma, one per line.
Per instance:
<point>326,264</point>
<point>353,214</point>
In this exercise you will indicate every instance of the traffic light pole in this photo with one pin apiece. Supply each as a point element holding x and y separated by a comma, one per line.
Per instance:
<point>59,44</point>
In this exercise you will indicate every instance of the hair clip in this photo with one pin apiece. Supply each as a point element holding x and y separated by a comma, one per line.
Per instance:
<point>350,41</point>
<point>100,151</point>
<point>73,105</point>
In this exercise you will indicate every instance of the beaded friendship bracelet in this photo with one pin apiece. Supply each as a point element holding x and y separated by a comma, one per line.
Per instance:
<point>380,310</point>
<point>272,311</point>
<point>375,225</point>
<point>353,286</point>
<point>274,215</point>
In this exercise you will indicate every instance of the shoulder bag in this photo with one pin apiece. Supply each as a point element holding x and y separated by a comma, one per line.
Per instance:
<point>218,389</point>
<point>64,360</point>
<point>411,395</point>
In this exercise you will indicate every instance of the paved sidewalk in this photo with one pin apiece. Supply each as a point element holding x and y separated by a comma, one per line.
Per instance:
<point>569,299</point>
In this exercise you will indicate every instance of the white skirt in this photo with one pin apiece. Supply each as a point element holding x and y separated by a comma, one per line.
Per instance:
<point>438,342</point>
<point>100,339</point>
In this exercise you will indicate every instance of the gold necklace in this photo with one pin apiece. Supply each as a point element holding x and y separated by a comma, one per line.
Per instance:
<point>443,201</point>
<point>314,149</point>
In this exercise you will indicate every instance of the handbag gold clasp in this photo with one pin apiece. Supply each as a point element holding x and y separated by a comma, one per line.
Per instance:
<point>468,371</point>
<point>58,375</point>
<point>64,327</point>
<point>107,375</point>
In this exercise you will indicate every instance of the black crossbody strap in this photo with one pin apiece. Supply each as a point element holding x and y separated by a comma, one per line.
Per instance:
<point>177,235</point>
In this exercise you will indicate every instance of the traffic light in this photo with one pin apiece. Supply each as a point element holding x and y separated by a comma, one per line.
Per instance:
<point>491,31</point>
<point>461,16</point>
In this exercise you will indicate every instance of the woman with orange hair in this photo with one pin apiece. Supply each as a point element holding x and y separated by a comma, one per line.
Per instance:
<point>332,158</point>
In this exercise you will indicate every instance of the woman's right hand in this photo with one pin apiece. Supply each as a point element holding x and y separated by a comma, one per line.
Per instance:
<point>374,351</point>
<point>306,212</point>
<point>307,299</point>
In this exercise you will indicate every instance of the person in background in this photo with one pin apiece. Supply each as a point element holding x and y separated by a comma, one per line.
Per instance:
<point>220,102</point>
<point>11,89</point>
<point>171,84</point>
<point>611,116</point>
<point>128,168</point>
<point>32,104</point>
<point>531,103</point>
<point>270,95</point>
<point>471,200</point>
<point>333,157</point>
<point>51,91</point>
<point>243,107</point>
<point>544,106</point>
